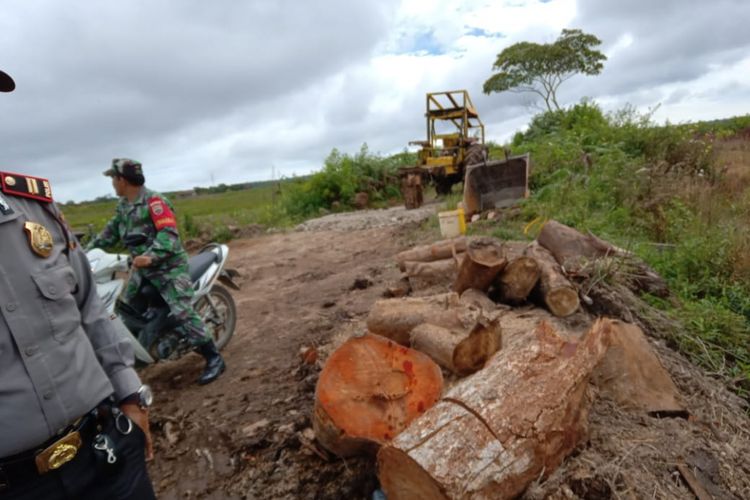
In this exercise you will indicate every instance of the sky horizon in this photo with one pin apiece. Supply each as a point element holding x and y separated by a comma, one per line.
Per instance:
<point>204,94</point>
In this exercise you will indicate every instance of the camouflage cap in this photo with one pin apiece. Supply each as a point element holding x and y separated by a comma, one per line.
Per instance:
<point>127,168</point>
<point>6,82</point>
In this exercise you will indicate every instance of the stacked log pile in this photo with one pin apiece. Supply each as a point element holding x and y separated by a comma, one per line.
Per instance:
<point>495,316</point>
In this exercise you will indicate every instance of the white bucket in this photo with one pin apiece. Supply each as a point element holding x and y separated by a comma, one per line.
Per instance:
<point>450,223</point>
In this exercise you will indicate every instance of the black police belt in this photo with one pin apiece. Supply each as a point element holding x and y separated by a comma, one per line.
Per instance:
<point>61,449</point>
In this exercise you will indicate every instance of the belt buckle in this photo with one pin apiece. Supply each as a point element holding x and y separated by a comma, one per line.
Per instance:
<point>58,453</point>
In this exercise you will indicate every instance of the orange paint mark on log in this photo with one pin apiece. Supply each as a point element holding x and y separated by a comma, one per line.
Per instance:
<point>420,407</point>
<point>408,367</point>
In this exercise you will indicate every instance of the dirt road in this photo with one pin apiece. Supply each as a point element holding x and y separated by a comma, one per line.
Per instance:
<point>240,436</point>
<point>247,435</point>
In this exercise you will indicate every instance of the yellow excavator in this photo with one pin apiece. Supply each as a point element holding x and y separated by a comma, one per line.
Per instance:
<point>455,138</point>
<point>455,142</point>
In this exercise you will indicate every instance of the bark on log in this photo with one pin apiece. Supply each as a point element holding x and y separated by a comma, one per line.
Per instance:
<point>462,352</point>
<point>369,390</point>
<point>424,275</point>
<point>573,250</point>
<point>569,247</point>
<point>632,375</point>
<point>484,260</point>
<point>439,250</point>
<point>396,318</point>
<point>479,299</point>
<point>501,428</point>
<point>517,280</point>
<point>556,291</point>
<point>411,189</point>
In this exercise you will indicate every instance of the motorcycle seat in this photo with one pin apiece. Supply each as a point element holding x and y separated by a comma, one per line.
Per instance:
<point>198,264</point>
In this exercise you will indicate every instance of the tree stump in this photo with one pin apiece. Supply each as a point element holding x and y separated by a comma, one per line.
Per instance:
<point>501,428</point>
<point>369,390</point>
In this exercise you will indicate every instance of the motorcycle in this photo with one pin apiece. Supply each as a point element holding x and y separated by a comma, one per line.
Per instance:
<point>147,321</point>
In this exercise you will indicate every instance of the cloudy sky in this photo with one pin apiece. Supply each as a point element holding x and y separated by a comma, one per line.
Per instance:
<point>210,92</point>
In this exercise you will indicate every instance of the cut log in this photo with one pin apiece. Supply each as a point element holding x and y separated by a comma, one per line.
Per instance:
<point>570,247</point>
<point>517,280</point>
<point>482,263</point>
<point>462,352</point>
<point>632,375</point>
<point>573,250</point>
<point>478,299</point>
<point>503,427</point>
<point>559,295</point>
<point>369,390</point>
<point>423,275</point>
<point>396,318</point>
<point>411,189</point>
<point>439,250</point>
<point>400,289</point>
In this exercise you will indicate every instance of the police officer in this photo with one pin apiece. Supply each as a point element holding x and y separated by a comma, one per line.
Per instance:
<point>73,412</point>
<point>144,221</point>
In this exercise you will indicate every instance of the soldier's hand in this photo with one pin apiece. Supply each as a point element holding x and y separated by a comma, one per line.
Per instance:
<point>139,416</point>
<point>142,261</point>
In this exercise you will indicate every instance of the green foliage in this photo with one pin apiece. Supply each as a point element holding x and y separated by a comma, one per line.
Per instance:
<point>542,68</point>
<point>659,191</point>
<point>342,177</point>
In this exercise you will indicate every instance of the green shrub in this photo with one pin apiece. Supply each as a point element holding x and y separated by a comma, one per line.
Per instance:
<point>342,177</point>
<point>655,190</point>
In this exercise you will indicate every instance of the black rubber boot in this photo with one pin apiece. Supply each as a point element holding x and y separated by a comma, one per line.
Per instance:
<point>214,363</point>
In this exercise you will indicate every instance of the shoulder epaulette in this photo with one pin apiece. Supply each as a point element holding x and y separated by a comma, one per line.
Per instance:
<point>25,186</point>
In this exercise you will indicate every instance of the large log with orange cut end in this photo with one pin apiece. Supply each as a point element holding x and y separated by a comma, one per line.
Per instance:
<point>500,429</point>
<point>370,389</point>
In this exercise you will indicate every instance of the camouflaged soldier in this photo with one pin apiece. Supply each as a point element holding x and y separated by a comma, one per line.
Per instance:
<point>69,396</point>
<point>144,221</point>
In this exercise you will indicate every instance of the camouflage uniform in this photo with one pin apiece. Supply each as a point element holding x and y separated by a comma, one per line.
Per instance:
<point>151,215</point>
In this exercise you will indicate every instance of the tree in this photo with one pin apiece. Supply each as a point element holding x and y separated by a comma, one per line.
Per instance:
<point>541,68</point>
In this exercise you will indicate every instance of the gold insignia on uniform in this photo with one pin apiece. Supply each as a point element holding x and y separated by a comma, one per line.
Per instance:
<point>10,181</point>
<point>40,239</point>
<point>32,186</point>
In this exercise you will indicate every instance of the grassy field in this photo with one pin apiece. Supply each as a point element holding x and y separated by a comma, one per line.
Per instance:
<point>208,214</point>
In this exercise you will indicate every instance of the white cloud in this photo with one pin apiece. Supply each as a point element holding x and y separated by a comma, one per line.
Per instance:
<point>200,91</point>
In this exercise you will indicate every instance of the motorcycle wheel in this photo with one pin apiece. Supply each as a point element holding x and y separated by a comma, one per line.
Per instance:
<point>222,316</point>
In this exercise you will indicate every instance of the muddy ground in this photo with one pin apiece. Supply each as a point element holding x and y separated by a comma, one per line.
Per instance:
<point>248,435</point>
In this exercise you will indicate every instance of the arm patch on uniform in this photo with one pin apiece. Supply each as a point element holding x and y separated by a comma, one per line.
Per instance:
<point>161,214</point>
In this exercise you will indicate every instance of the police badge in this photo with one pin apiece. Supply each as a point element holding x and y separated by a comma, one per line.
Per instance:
<point>39,238</point>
